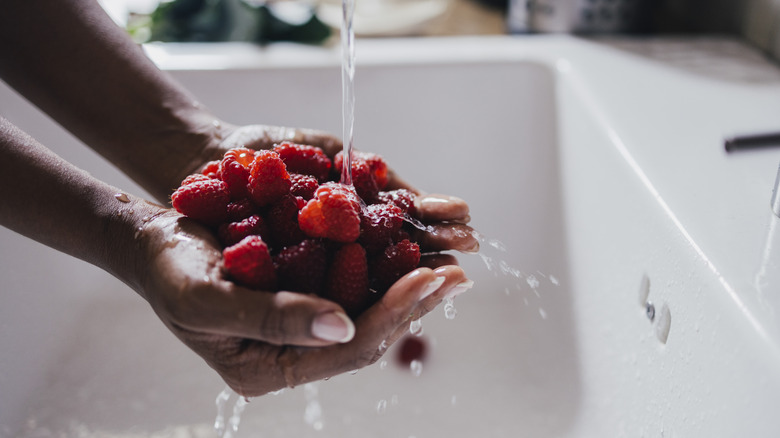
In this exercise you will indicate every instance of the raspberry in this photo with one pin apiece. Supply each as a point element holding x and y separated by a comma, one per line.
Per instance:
<point>211,169</point>
<point>374,161</point>
<point>333,213</point>
<point>249,263</point>
<point>364,182</point>
<point>240,209</point>
<point>205,201</point>
<point>303,185</point>
<point>402,198</point>
<point>378,225</point>
<point>411,348</point>
<point>234,232</point>
<point>347,280</point>
<point>234,171</point>
<point>194,178</point>
<point>395,262</point>
<point>304,159</point>
<point>282,221</point>
<point>268,178</point>
<point>302,267</point>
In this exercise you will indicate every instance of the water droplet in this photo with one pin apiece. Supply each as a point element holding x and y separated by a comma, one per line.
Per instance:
<point>416,367</point>
<point>415,327</point>
<point>278,392</point>
<point>650,311</point>
<point>554,280</point>
<point>122,197</point>
<point>382,347</point>
<point>644,290</point>
<point>664,324</point>
<point>383,364</point>
<point>532,281</point>
<point>381,407</point>
<point>542,313</point>
<point>312,414</point>
<point>353,372</point>
<point>449,309</point>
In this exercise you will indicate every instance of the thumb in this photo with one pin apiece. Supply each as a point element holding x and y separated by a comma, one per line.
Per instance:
<point>279,318</point>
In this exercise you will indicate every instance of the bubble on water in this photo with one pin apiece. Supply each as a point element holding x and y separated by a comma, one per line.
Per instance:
<point>415,327</point>
<point>554,280</point>
<point>449,309</point>
<point>542,313</point>
<point>416,367</point>
<point>381,407</point>
<point>532,281</point>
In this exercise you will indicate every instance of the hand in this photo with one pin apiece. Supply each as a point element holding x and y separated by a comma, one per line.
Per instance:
<point>263,341</point>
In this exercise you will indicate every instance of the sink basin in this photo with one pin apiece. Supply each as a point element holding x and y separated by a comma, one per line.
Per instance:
<point>626,285</point>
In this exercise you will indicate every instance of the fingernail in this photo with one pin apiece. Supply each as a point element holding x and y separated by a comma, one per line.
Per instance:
<point>432,287</point>
<point>459,289</point>
<point>474,248</point>
<point>333,326</point>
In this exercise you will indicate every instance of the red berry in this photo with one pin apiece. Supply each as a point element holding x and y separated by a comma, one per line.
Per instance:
<point>249,263</point>
<point>347,280</point>
<point>240,209</point>
<point>377,164</point>
<point>302,267</point>
<point>411,348</point>
<point>364,182</point>
<point>268,178</point>
<point>396,261</point>
<point>282,221</point>
<point>211,169</point>
<point>234,171</point>
<point>333,213</point>
<point>304,159</point>
<point>402,198</point>
<point>378,225</point>
<point>194,178</point>
<point>303,185</point>
<point>233,232</point>
<point>205,201</point>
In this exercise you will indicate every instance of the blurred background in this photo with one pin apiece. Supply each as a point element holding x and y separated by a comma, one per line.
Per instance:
<point>757,22</point>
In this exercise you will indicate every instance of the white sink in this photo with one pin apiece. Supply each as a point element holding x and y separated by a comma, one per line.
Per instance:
<point>594,167</point>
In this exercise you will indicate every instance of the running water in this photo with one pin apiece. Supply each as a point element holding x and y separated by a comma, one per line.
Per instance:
<point>347,87</point>
<point>227,428</point>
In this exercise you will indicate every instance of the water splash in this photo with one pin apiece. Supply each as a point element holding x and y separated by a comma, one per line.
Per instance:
<point>312,415</point>
<point>347,87</point>
<point>449,308</point>
<point>228,428</point>
<point>416,367</point>
<point>416,328</point>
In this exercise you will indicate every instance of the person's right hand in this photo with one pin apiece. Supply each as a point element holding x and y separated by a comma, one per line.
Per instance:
<point>261,341</point>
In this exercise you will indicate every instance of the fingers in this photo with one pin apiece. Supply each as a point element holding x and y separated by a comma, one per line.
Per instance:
<point>281,318</point>
<point>442,237</point>
<point>438,208</point>
<point>436,260</point>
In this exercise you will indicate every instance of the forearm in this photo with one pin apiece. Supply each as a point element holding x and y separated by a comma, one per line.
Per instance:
<point>48,199</point>
<point>73,62</point>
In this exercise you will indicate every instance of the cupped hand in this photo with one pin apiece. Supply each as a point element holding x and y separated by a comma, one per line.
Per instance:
<point>261,341</point>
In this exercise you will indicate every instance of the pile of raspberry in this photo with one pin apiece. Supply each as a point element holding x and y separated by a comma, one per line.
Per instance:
<point>285,223</point>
